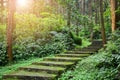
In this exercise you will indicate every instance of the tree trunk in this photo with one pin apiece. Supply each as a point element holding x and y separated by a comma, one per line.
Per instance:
<point>83,10</point>
<point>69,16</point>
<point>114,16</point>
<point>96,12</point>
<point>102,22</point>
<point>90,16</point>
<point>2,8</point>
<point>84,7</point>
<point>10,27</point>
<point>77,20</point>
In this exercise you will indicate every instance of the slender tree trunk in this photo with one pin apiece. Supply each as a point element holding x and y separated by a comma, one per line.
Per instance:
<point>113,2</point>
<point>84,11</point>
<point>96,12</point>
<point>10,27</point>
<point>114,15</point>
<point>84,7</point>
<point>90,16</point>
<point>102,22</point>
<point>77,21</point>
<point>69,16</point>
<point>117,14</point>
<point>2,8</point>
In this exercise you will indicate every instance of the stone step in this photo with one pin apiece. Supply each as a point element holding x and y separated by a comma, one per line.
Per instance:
<point>54,63</point>
<point>93,47</point>
<point>72,55</point>
<point>68,59</point>
<point>85,49</point>
<point>51,67</point>
<point>97,42</point>
<point>25,75</point>
<point>45,69</point>
<point>79,52</point>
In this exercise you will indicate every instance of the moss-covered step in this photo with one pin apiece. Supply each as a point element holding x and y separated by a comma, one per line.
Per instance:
<point>72,55</point>
<point>97,42</point>
<point>25,75</point>
<point>85,49</point>
<point>93,47</point>
<point>79,52</point>
<point>54,63</point>
<point>45,69</point>
<point>68,59</point>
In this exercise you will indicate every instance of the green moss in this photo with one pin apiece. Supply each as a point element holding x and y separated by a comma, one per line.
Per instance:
<point>62,63</point>
<point>25,73</point>
<point>67,58</point>
<point>73,55</point>
<point>77,39</point>
<point>44,67</point>
<point>15,66</point>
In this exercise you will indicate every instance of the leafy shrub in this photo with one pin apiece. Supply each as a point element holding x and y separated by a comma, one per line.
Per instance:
<point>48,49</point>
<point>3,55</point>
<point>77,39</point>
<point>57,45</point>
<point>37,27</point>
<point>31,36</point>
<point>65,39</point>
<point>102,66</point>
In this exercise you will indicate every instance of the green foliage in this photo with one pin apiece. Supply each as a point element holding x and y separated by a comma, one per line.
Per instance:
<point>15,66</point>
<point>107,20</point>
<point>31,26</point>
<point>32,37</point>
<point>52,21</point>
<point>32,34</point>
<point>3,55</point>
<point>2,32</point>
<point>85,69</point>
<point>28,48</point>
<point>113,58</point>
<point>85,43</point>
<point>77,39</point>
<point>102,66</point>
<point>65,39</point>
<point>49,49</point>
<point>66,2</point>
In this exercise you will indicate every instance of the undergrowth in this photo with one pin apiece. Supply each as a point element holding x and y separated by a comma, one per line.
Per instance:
<point>104,65</point>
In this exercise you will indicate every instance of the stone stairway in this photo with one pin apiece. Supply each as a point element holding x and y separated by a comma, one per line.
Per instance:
<point>51,68</point>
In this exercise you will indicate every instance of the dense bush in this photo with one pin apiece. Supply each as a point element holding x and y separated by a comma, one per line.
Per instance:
<point>102,66</point>
<point>3,55</point>
<point>39,48</point>
<point>32,36</point>
<point>65,39</point>
<point>113,58</point>
<point>77,39</point>
<point>29,25</point>
<point>30,48</point>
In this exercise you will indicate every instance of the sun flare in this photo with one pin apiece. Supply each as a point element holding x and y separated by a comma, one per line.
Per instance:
<point>22,3</point>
